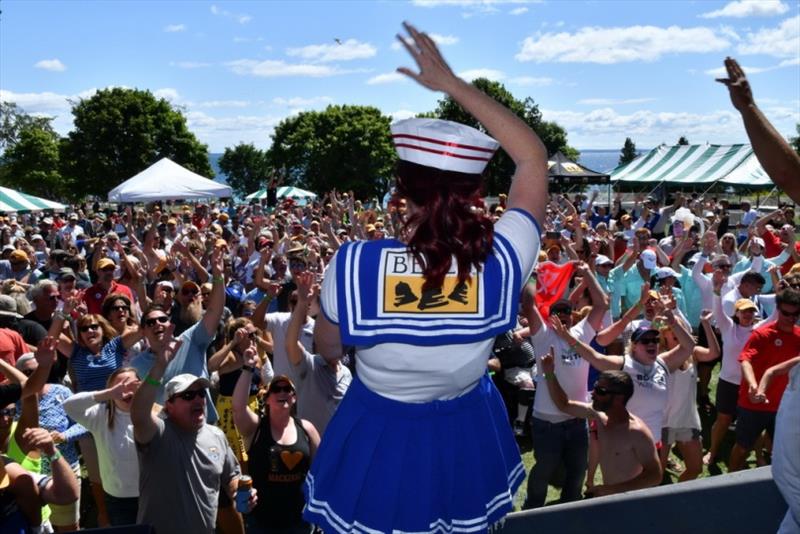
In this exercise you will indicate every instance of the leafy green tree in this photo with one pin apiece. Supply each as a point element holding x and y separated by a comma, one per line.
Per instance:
<point>796,140</point>
<point>120,132</point>
<point>343,147</point>
<point>628,152</point>
<point>31,164</point>
<point>683,141</point>
<point>245,167</point>
<point>13,120</point>
<point>501,168</point>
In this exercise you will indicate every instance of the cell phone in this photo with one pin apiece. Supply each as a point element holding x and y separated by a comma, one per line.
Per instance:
<point>555,236</point>
<point>678,229</point>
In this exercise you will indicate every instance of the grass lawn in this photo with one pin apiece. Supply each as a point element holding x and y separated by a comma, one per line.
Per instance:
<point>707,420</point>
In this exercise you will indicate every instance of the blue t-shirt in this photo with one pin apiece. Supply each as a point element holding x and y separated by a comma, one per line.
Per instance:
<point>91,372</point>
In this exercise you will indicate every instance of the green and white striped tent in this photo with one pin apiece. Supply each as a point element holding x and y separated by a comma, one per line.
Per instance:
<point>690,165</point>
<point>13,201</point>
<point>283,192</point>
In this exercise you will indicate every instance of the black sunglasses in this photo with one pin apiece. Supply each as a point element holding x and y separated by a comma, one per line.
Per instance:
<point>281,389</point>
<point>253,334</point>
<point>189,396</point>
<point>163,319</point>
<point>600,390</point>
<point>562,311</point>
<point>88,327</point>
<point>120,308</point>
<point>8,412</point>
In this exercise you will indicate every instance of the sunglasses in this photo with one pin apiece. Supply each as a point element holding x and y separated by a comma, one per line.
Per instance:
<point>253,334</point>
<point>120,308</point>
<point>108,269</point>
<point>281,389</point>
<point>297,265</point>
<point>88,327</point>
<point>8,412</point>
<point>649,341</point>
<point>789,314</point>
<point>162,319</point>
<point>562,311</point>
<point>187,292</point>
<point>600,390</point>
<point>724,267</point>
<point>189,396</point>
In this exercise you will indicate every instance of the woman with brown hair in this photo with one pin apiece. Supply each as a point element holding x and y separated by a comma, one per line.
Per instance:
<point>240,335</point>
<point>106,414</point>
<point>118,311</point>
<point>423,311</point>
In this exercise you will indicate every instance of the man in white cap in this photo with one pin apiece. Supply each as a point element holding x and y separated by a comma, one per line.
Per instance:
<point>184,462</point>
<point>637,276</point>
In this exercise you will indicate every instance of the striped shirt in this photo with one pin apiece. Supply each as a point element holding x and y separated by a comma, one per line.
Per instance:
<point>92,371</point>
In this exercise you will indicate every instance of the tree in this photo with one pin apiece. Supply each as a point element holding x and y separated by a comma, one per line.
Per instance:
<point>245,167</point>
<point>344,147</point>
<point>120,132</point>
<point>796,140</point>
<point>501,168</point>
<point>32,163</point>
<point>628,152</point>
<point>683,141</point>
<point>13,120</point>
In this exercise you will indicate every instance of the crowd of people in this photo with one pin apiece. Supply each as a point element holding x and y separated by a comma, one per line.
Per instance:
<point>208,366</point>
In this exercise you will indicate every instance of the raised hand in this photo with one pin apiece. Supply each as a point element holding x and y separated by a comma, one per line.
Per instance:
<point>169,348</point>
<point>705,315</point>
<point>250,357</point>
<point>434,72</point>
<point>240,335</point>
<point>737,84</point>
<point>561,330</point>
<point>305,282</point>
<point>217,263</point>
<point>46,351</point>
<point>41,440</point>
<point>549,361</point>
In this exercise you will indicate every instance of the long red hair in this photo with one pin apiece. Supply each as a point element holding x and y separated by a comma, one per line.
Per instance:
<point>444,224</point>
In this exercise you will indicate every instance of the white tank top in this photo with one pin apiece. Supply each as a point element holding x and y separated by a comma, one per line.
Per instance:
<point>650,392</point>
<point>682,399</point>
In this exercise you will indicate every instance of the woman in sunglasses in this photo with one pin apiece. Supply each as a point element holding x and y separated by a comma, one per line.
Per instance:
<point>240,335</point>
<point>106,414</point>
<point>280,448</point>
<point>118,312</point>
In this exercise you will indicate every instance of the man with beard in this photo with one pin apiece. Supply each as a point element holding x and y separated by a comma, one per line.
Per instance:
<point>628,457</point>
<point>187,307</point>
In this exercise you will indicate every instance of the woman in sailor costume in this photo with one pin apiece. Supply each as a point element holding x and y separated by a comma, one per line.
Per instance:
<point>421,442</point>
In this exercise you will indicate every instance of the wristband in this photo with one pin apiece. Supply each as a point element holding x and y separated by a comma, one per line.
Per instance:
<point>152,381</point>
<point>220,279</point>
<point>249,368</point>
<point>54,457</point>
<point>549,376</point>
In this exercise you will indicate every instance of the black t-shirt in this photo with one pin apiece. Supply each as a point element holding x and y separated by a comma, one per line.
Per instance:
<point>31,331</point>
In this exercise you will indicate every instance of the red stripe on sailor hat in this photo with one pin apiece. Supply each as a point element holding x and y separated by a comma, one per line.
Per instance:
<point>444,145</point>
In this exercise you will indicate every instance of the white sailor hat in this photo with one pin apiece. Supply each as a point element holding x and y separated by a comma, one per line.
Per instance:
<point>444,145</point>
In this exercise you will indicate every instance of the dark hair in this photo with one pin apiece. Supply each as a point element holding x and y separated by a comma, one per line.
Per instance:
<point>151,308</point>
<point>752,278</point>
<point>788,296</point>
<point>620,382</point>
<point>111,299</point>
<point>444,224</point>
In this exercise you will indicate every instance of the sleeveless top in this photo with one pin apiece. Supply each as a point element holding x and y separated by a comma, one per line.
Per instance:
<point>650,393</point>
<point>278,473</point>
<point>682,403</point>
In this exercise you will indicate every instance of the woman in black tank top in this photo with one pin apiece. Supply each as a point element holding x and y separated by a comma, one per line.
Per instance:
<point>280,449</point>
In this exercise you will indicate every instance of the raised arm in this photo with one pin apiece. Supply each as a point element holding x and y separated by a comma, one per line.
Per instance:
<point>243,417</point>
<point>607,336</point>
<point>714,351</point>
<point>529,186</point>
<point>675,357</point>
<point>601,362</point>
<point>216,302</point>
<point>294,349</point>
<point>560,399</point>
<point>599,297</point>
<point>779,160</point>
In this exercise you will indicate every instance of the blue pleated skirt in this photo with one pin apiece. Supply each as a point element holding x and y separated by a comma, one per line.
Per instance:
<point>389,466</point>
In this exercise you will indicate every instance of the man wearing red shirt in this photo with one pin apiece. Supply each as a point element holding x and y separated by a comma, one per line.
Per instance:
<point>94,296</point>
<point>769,345</point>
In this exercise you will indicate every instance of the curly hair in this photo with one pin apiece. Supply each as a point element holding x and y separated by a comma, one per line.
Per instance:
<point>444,224</point>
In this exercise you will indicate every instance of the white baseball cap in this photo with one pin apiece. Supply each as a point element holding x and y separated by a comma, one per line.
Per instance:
<point>602,260</point>
<point>444,145</point>
<point>648,257</point>
<point>179,384</point>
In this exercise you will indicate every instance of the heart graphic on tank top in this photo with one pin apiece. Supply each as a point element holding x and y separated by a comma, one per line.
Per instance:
<point>291,459</point>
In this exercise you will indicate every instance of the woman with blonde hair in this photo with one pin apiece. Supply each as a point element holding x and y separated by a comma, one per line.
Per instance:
<point>240,335</point>
<point>106,414</point>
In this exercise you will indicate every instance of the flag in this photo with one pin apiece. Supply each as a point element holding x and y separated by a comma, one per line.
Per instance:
<point>551,281</point>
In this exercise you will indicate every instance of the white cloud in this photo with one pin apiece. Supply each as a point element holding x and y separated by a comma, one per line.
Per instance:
<point>189,64</point>
<point>402,114</point>
<point>211,104</point>
<point>531,81</point>
<point>518,11</point>
<point>721,72</point>
<point>441,40</point>
<point>346,51</point>
<point>53,65</point>
<point>300,102</point>
<point>174,28</point>
<point>749,8</point>
<point>276,68</point>
<point>167,93</point>
<point>46,102</point>
<point>241,18</point>
<point>613,101</point>
<point>782,41</point>
<point>491,74</point>
<point>618,45</point>
<point>222,132</point>
<point>389,77</point>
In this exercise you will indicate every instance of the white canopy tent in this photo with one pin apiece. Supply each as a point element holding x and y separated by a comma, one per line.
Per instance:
<point>166,180</point>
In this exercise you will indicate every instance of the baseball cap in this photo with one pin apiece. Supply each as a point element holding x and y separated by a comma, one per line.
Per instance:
<point>640,332</point>
<point>18,255</point>
<point>190,284</point>
<point>665,272</point>
<point>648,258</point>
<point>758,241</point>
<point>104,263</point>
<point>66,272</point>
<point>181,383</point>
<point>744,304</point>
<point>603,260</point>
<point>280,378</point>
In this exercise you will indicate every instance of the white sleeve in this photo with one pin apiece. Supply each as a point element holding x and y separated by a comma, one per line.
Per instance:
<point>522,230</point>
<point>327,296</point>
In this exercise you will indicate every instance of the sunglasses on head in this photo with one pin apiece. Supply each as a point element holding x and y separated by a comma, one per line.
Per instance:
<point>189,396</point>
<point>88,327</point>
<point>151,321</point>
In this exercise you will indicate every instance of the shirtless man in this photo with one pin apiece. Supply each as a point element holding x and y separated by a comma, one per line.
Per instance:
<point>628,457</point>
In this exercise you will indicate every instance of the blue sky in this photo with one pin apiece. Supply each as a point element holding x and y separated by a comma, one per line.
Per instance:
<point>604,70</point>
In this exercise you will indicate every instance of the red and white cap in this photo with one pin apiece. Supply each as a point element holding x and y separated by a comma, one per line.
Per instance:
<point>444,145</point>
